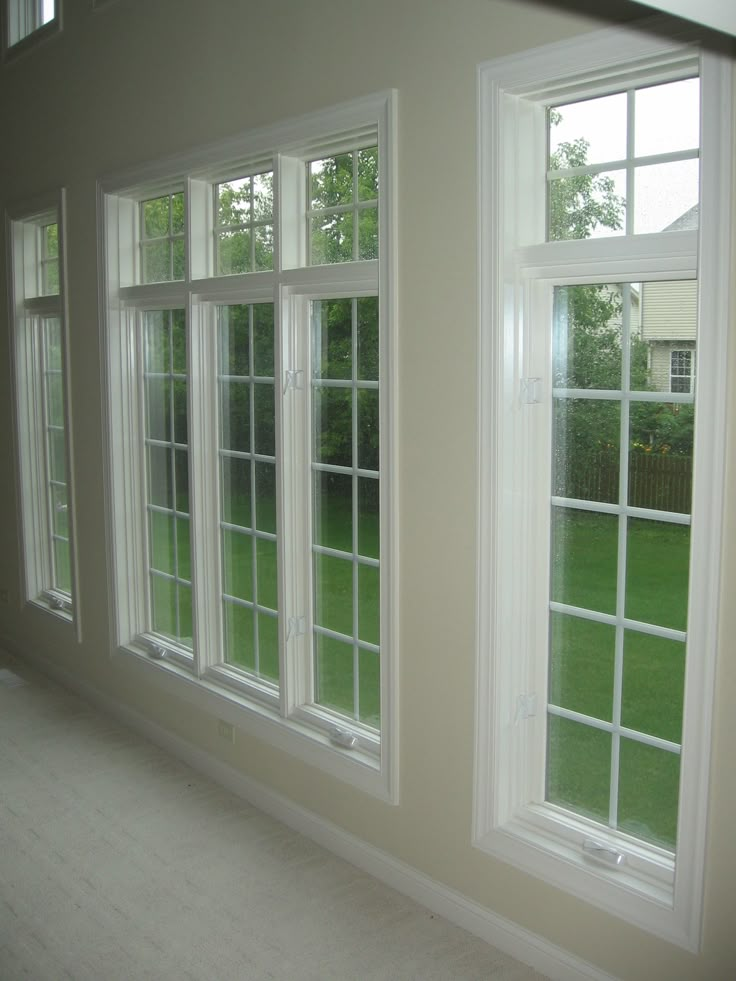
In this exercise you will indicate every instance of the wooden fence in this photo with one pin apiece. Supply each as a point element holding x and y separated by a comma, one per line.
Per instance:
<point>655,481</point>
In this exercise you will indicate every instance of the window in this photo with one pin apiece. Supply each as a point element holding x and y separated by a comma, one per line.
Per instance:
<point>600,544</point>
<point>250,373</point>
<point>38,318</point>
<point>26,18</point>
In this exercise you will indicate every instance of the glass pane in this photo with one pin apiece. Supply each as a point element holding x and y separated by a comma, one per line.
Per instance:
<point>234,346</point>
<point>156,217</point>
<point>263,247</point>
<point>51,241</point>
<point>60,507</point>
<point>264,415</point>
<point>669,325</point>
<point>235,416</point>
<point>657,569</point>
<point>576,136</point>
<point>179,341</point>
<point>332,238</point>
<point>185,614</point>
<point>661,457</point>
<point>177,213</point>
<point>237,564</point>
<point>62,566</point>
<point>181,464</point>
<point>333,511</point>
<point>369,540</point>
<point>268,646</point>
<point>368,233</point>
<point>267,572</point>
<point>239,636</point>
<point>180,412</point>
<point>578,767</point>
<point>666,197</point>
<point>333,426</point>
<point>263,339</point>
<point>52,339</point>
<point>162,542</point>
<point>234,202</point>
<point>648,792</point>
<point>236,491</point>
<point>51,277</point>
<point>57,455</point>
<point>586,336</point>
<point>158,409</point>
<point>163,599</point>
<point>581,665</point>
<point>160,477</point>
<point>332,338</point>
<point>263,196</point>
<point>583,559</point>
<point>587,205</point>
<point>333,594</point>
<point>331,181</point>
<point>667,118</point>
<point>369,685</point>
<point>156,259</point>
<point>233,252</point>
<point>179,259</point>
<point>368,430</point>
<point>585,456</point>
<point>368,174</point>
<point>184,570</point>
<point>334,674</point>
<point>266,497</point>
<point>368,338</point>
<point>653,685</point>
<point>158,342</point>
<point>369,603</point>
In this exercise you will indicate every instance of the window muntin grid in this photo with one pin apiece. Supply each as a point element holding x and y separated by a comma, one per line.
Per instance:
<point>243,234</point>
<point>682,365</point>
<point>162,238</point>
<point>633,155</point>
<point>166,382</point>
<point>49,261</point>
<point>620,544</point>
<point>342,212</point>
<point>345,509</point>
<point>247,467</point>
<point>54,431</point>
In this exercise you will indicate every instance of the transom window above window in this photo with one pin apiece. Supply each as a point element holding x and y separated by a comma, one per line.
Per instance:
<point>162,238</point>
<point>244,226</point>
<point>624,163</point>
<point>49,262</point>
<point>343,207</point>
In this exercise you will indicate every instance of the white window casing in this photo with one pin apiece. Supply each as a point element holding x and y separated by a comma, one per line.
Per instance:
<point>650,886</point>
<point>284,712</point>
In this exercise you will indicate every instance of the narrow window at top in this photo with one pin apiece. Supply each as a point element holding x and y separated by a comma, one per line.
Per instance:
<point>162,238</point>
<point>244,226</point>
<point>25,17</point>
<point>343,207</point>
<point>626,163</point>
<point>49,261</point>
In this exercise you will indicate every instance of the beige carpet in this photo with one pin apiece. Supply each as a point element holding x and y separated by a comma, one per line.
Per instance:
<point>119,862</point>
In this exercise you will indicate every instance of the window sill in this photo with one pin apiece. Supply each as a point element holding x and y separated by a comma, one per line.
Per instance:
<point>300,736</point>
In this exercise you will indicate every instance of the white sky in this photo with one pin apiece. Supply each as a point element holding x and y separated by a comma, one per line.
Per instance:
<point>666,119</point>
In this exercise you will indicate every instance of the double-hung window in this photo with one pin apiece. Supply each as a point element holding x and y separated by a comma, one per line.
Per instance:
<point>249,313</point>
<point>38,319</point>
<point>604,179</point>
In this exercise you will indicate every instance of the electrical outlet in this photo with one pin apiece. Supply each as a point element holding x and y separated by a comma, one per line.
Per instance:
<point>225,731</point>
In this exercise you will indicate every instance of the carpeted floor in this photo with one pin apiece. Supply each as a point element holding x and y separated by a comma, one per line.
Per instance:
<point>119,862</point>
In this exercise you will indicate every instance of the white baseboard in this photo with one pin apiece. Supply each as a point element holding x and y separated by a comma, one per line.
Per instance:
<point>552,961</point>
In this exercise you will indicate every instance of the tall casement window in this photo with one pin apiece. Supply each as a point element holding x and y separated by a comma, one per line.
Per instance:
<point>29,19</point>
<point>38,319</point>
<point>604,179</point>
<point>250,298</point>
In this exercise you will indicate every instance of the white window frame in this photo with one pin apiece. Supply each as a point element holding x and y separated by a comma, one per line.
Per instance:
<point>285,717</point>
<point>690,375</point>
<point>23,26</point>
<point>29,305</point>
<point>517,271</point>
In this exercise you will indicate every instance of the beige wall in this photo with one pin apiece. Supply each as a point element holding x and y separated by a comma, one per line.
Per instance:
<point>138,79</point>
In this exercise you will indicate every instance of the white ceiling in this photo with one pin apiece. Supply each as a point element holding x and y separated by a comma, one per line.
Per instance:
<point>720,14</point>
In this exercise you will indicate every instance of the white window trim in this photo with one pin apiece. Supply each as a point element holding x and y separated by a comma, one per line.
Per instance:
<point>302,731</point>
<point>25,306</point>
<point>509,819</point>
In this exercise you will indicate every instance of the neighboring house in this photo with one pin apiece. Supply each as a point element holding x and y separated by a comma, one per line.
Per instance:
<point>668,324</point>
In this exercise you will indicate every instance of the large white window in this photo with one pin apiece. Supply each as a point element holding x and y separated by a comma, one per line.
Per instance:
<point>26,18</point>
<point>38,318</point>
<point>604,178</point>
<point>249,298</point>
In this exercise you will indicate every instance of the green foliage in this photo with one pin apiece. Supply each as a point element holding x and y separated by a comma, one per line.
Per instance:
<point>341,198</point>
<point>581,203</point>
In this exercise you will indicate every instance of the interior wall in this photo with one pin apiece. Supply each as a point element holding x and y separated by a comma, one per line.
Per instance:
<point>134,80</point>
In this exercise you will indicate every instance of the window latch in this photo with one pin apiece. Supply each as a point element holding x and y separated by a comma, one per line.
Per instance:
<point>343,738</point>
<point>296,627</point>
<point>526,707</point>
<point>292,379</point>
<point>603,853</point>
<point>531,391</point>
